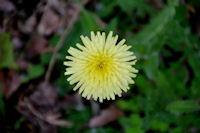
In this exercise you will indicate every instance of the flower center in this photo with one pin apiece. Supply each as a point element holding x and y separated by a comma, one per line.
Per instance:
<point>101,65</point>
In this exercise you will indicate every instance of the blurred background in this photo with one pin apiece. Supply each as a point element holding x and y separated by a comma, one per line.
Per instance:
<point>36,34</point>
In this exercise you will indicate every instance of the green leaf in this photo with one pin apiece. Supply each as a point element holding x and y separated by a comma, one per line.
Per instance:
<point>156,26</point>
<point>136,120</point>
<point>141,6</point>
<point>179,107</point>
<point>54,40</point>
<point>164,87</point>
<point>128,105</point>
<point>126,5</point>
<point>151,66</point>
<point>2,105</point>
<point>18,123</point>
<point>173,2</point>
<point>63,84</point>
<point>88,21</point>
<point>192,56</point>
<point>132,124</point>
<point>45,58</point>
<point>72,38</point>
<point>159,125</point>
<point>175,35</point>
<point>195,91</point>
<point>78,117</point>
<point>34,71</point>
<point>107,8</point>
<point>181,12</point>
<point>193,59</point>
<point>6,52</point>
<point>144,86</point>
<point>134,130</point>
<point>102,130</point>
<point>112,26</point>
<point>152,37</point>
<point>177,130</point>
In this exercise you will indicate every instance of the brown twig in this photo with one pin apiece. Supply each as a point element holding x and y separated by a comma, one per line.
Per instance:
<point>61,42</point>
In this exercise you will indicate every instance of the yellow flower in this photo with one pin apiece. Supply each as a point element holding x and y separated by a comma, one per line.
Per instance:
<point>101,69</point>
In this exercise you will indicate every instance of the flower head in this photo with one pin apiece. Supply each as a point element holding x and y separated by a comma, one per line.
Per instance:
<point>102,68</point>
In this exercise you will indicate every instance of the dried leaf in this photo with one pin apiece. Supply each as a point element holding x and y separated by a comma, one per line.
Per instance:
<point>70,100</point>
<point>46,95</point>
<point>17,42</point>
<point>6,6</point>
<point>54,120</point>
<point>23,64</point>
<point>49,22</point>
<point>108,115</point>
<point>38,45</point>
<point>40,108</point>
<point>11,81</point>
<point>29,24</point>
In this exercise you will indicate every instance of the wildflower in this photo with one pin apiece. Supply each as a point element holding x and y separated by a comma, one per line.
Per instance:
<point>101,69</point>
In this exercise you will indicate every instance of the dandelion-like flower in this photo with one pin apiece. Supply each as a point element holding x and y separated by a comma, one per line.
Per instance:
<point>102,68</point>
